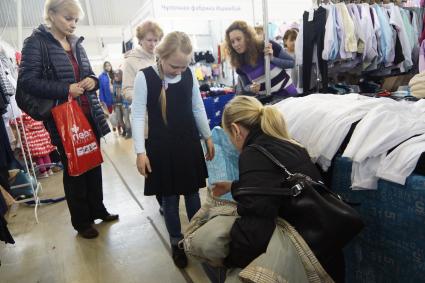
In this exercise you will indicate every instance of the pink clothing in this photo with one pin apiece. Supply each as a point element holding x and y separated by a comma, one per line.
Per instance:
<point>43,163</point>
<point>38,138</point>
<point>422,57</point>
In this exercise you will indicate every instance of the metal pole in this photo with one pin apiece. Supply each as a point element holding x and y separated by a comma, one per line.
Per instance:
<point>19,23</point>
<point>253,12</point>
<point>266,42</point>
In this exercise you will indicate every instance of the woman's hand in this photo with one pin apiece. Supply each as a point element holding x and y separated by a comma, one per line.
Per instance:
<point>268,50</point>
<point>210,150</point>
<point>221,188</point>
<point>88,84</point>
<point>254,87</point>
<point>75,90</point>
<point>143,164</point>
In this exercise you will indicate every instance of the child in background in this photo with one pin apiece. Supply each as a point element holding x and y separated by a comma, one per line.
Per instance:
<point>117,99</point>
<point>289,41</point>
<point>105,86</point>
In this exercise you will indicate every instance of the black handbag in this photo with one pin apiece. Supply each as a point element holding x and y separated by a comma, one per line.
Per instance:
<point>38,108</point>
<point>325,221</point>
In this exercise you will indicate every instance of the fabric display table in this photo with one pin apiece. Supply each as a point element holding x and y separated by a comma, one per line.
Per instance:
<point>391,247</point>
<point>214,106</point>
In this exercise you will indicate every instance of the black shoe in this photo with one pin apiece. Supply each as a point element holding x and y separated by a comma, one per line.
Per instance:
<point>179,257</point>
<point>89,233</point>
<point>110,217</point>
<point>128,133</point>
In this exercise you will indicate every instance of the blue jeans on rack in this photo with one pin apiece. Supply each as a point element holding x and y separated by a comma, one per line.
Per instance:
<point>170,205</point>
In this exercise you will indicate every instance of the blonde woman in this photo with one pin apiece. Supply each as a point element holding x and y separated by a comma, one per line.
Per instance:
<point>172,159</point>
<point>149,35</point>
<point>75,77</point>
<point>247,121</point>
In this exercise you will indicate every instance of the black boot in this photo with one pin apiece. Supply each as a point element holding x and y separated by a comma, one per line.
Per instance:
<point>110,217</point>
<point>179,257</point>
<point>88,233</point>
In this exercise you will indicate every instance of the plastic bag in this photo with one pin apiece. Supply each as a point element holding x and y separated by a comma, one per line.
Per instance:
<point>78,139</point>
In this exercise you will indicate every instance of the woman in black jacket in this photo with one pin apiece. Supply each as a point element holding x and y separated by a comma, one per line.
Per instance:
<point>247,122</point>
<point>74,77</point>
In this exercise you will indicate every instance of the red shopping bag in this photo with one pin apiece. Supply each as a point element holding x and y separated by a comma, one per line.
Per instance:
<point>78,138</point>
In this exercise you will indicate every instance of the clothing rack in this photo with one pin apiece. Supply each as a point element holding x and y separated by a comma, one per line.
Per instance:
<point>28,165</point>
<point>319,2</point>
<point>35,185</point>
<point>373,65</point>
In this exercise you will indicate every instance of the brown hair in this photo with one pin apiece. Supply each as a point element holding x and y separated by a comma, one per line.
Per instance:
<point>172,42</point>
<point>248,112</point>
<point>290,34</point>
<point>147,27</point>
<point>254,45</point>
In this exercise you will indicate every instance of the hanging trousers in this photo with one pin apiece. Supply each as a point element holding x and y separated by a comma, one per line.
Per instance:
<point>314,34</point>
<point>84,195</point>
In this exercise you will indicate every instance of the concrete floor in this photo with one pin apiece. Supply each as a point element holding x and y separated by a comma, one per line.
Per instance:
<point>134,249</point>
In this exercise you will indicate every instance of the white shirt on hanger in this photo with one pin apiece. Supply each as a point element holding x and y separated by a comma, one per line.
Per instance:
<point>397,21</point>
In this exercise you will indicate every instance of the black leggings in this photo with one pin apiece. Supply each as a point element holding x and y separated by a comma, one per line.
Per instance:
<point>314,34</point>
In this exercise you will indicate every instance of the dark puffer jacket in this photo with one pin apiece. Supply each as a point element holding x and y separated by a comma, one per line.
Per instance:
<point>251,232</point>
<point>30,73</point>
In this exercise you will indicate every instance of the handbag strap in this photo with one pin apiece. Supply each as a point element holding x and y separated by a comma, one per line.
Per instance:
<point>45,56</point>
<point>270,156</point>
<point>268,191</point>
<point>277,191</point>
<point>273,191</point>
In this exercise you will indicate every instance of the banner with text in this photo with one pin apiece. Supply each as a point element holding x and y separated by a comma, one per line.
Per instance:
<point>206,9</point>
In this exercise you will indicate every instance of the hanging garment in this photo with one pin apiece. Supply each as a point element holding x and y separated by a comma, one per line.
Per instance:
<point>343,54</point>
<point>397,20</point>
<point>314,35</point>
<point>368,35</point>
<point>7,84</point>
<point>6,154</point>
<point>37,138</point>
<point>354,10</point>
<point>386,41</point>
<point>331,42</point>
<point>422,57</point>
<point>378,34</point>
<point>12,138</point>
<point>350,40</point>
